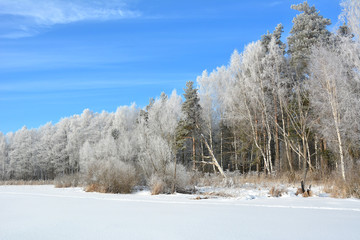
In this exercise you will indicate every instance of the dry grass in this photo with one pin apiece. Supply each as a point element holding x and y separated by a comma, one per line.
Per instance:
<point>23,182</point>
<point>217,194</point>
<point>67,181</point>
<point>277,192</point>
<point>163,181</point>
<point>210,195</point>
<point>339,188</point>
<point>280,182</point>
<point>200,198</point>
<point>157,188</point>
<point>307,193</point>
<point>237,180</point>
<point>121,178</point>
<point>94,188</point>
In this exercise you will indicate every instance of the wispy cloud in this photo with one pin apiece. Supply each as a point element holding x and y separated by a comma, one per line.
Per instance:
<point>74,85</point>
<point>274,3</point>
<point>69,58</point>
<point>27,17</point>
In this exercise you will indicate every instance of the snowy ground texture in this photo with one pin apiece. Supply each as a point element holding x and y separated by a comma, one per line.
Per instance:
<point>45,212</point>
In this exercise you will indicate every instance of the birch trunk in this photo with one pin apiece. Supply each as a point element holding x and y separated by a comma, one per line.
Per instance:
<point>254,131</point>
<point>342,165</point>
<point>316,152</point>
<point>173,188</point>
<point>235,152</point>
<point>215,162</point>
<point>277,148</point>
<point>193,153</point>
<point>221,150</point>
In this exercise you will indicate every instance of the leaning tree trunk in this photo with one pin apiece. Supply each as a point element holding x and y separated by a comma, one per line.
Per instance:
<point>215,162</point>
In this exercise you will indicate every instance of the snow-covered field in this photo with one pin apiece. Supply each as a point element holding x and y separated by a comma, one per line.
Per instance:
<point>45,212</point>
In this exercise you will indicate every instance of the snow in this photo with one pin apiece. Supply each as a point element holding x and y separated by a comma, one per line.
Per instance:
<point>45,212</point>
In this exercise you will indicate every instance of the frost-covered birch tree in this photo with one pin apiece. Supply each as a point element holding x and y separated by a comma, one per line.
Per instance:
<point>334,89</point>
<point>60,156</point>
<point>351,15</point>
<point>22,158</point>
<point>246,101</point>
<point>44,145</point>
<point>3,156</point>
<point>210,110</point>
<point>157,134</point>
<point>258,103</point>
<point>279,85</point>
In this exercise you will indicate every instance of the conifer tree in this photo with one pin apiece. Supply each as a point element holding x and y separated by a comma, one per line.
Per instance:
<point>266,38</point>
<point>309,29</point>
<point>192,116</point>
<point>344,31</point>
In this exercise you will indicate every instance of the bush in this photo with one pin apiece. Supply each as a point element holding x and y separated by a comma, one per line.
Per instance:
<point>163,181</point>
<point>66,181</point>
<point>277,192</point>
<point>157,185</point>
<point>339,188</point>
<point>110,177</point>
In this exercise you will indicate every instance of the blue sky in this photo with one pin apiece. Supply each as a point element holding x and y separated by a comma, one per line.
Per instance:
<point>58,57</point>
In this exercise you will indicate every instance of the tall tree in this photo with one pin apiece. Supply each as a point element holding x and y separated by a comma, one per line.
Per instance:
<point>309,28</point>
<point>259,101</point>
<point>266,38</point>
<point>3,156</point>
<point>60,155</point>
<point>351,15</point>
<point>163,118</point>
<point>334,87</point>
<point>44,146</point>
<point>278,84</point>
<point>274,72</point>
<point>192,116</point>
<point>21,154</point>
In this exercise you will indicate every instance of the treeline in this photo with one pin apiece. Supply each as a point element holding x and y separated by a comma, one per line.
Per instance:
<point>283,107</point>
<point>276,108</point>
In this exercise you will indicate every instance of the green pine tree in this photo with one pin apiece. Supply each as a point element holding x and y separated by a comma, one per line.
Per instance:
<point>308,30</point>
<point>189,127</point>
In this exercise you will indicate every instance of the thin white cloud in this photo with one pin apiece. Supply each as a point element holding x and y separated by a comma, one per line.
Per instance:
<point>17,34</point>
<point>26,17</point>
<point>26,90</point>
<point>16,61</point>
<point>274,3</point>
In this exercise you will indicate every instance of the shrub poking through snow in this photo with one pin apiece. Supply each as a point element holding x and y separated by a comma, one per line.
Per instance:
<point>338,188</point>
<point>157,185</point>
<point>277,192</point>
<point>67,181</point>
<point>305,193</point>
<point>111,177</point>
<point>163,181</point>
